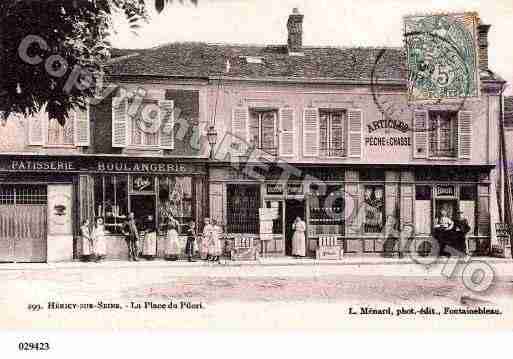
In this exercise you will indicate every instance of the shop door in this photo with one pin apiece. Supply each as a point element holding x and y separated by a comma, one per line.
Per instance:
<point>449,205</point>
<point>142,206</point>
<point>23,223</point>
<point>293,209</point>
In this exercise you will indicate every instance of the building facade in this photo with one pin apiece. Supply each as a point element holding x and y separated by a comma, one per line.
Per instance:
<point>325,134</point>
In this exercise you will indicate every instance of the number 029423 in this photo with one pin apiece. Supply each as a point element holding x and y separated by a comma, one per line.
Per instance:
<point>36,346</point>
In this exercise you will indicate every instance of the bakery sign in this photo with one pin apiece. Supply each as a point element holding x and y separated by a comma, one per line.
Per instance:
<point>99,165</point>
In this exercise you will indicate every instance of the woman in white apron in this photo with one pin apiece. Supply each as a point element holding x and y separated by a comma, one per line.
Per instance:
<point>214,246</point>
<point>87,243</point>
<point>206,240</point>
<point>298,239</point>
<point>149,250</point>
<point>98,236</point>
<point>173,248</point>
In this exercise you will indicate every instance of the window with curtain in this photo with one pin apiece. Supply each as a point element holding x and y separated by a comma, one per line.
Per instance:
<point>443,133</point>
<point>331,133</point>
<point>144,125</point>
<point>60,134</point>
<point>262,130</point>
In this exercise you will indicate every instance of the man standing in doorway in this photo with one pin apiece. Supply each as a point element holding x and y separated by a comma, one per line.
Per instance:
<point>131,237</point>
<point>461,228</point>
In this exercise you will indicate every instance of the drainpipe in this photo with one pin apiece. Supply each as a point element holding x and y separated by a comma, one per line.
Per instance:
<point>505,167</point>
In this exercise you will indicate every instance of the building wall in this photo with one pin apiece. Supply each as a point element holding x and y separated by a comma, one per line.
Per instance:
<point>298,97</point>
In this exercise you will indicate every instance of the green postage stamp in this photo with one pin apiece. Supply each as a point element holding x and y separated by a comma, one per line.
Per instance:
<point>442,56</point>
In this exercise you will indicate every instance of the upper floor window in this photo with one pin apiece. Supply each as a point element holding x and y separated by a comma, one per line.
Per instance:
<point>44,131</point>
<point>262,130</point>
<point>60,134</point>
<point>331,133</point>
<point>443,133</point>
<point>144,128</point>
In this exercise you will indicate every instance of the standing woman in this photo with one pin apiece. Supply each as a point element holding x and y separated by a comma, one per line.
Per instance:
<point>172,250</point>
<point>205,241</point>
<point>214,247</point>
<point>87,242</point>
<point>98,236</point>
<point>149,250</point>
<point>298,239</point>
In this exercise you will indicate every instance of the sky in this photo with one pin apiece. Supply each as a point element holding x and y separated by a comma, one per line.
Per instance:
<point>326,23</point>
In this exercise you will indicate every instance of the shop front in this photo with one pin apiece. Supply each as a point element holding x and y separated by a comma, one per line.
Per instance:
<point>350,211</point>
<point>44,200</point>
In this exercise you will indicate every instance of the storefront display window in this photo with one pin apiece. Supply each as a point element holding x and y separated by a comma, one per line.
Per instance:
<point>374,201</point>
<point>326,210</point>
<point>243,204</point>
<point>175,199</point>
<point>111,200</point>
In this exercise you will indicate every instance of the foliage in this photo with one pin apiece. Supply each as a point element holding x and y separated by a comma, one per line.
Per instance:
<point>76,34</point>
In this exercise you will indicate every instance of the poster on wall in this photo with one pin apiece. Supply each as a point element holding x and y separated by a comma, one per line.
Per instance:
<point>60,209</point>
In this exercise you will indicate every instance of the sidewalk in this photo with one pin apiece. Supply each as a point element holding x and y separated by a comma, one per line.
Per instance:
<point>363,264</point>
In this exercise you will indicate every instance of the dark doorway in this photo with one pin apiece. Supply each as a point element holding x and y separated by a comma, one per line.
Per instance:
<point>142,206</point>
<point>293,208</point>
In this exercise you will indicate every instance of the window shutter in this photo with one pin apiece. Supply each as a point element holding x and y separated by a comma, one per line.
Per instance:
<point>287,132</point>
<point>311,132</point>
<point>421,134</point>
<point>465,135</point>
<point>119,122</point>
<point>167,118</point>
<point>81,127</point>
<point>355,124</point>
<point>36,126</point>
<point>240,129</point>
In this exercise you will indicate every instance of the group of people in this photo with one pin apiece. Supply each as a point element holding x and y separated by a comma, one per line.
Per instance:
<point>144,242</point>
<point>451,234</point>
<point>94,246</point>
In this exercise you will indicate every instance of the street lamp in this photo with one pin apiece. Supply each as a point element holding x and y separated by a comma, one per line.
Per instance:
<point>212,139</point>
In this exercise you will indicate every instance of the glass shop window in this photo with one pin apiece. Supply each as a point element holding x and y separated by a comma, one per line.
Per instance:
<point>175,199</point>
<point>111,200</point>
<point>278,221</point>
<point>326,210</point>
<point>374,205</point>
<point>243,204</point>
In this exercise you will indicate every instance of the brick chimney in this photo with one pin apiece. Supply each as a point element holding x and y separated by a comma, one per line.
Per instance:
<point>483,46</point>
<point>295,30</point>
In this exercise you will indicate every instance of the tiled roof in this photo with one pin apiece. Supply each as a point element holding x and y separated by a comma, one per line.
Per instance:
<point>211,60</point>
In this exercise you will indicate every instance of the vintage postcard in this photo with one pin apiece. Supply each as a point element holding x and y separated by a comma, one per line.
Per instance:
<point>244,164</point>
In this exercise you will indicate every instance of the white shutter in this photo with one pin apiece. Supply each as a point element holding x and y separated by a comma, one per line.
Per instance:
<point>167,118</point>
<point>119,122</point>
<point>311,132</point>
<point>355,124</point>
<point>81,126</point>
<point>240,129</point>
<point>36,128</point>
<point>287,132</point>
<point>421,134</point>
<point>465,135</point>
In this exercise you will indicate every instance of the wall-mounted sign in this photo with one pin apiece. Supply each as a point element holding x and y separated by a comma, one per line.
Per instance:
<point>294,189</point>
<point>445,190</point>
<point>275,188</point>
<point>89,164</point>
<point>143,183</point>
<point>501,229</point>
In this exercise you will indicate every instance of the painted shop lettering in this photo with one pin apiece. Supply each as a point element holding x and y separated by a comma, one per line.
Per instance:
<point>388,141</point>
<point>140,167</point>
<point>391,124</point>
<point>42,165</point>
